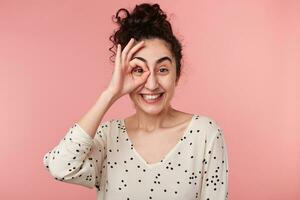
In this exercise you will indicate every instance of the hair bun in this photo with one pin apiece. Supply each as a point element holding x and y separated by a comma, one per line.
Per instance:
<point>147,14</point>
<point>142,15</point>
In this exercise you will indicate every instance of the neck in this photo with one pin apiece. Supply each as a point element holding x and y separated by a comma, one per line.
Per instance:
<point>148,122</point>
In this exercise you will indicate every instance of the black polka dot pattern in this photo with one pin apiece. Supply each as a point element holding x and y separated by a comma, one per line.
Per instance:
<point>78,158</point>
<point>195,168</point>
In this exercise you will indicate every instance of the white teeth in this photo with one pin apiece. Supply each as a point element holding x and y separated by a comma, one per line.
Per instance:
<point>150,96</point>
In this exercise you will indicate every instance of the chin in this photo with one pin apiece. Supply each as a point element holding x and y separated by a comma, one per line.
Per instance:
<point>152,111</point>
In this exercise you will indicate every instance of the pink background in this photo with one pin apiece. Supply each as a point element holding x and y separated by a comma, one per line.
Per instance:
<point>240,67</point>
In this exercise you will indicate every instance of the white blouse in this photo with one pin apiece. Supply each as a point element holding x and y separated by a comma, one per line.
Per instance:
<point>195,168</point>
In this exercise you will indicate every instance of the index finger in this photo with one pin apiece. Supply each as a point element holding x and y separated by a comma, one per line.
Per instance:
<point>126,49</point>
<point>134,49</point>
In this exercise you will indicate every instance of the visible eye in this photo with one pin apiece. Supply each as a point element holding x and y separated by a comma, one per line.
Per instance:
<point>137,70</point>
<point>163,70</point>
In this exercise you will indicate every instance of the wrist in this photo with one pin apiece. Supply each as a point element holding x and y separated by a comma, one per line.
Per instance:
<point>109,95</point>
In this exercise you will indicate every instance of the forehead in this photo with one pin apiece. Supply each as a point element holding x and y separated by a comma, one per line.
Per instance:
<point>153,50</point>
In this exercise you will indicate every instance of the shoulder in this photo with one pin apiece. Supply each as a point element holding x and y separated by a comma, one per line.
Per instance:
<point>208,126</point>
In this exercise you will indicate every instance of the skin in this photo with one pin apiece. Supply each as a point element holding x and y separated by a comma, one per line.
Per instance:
<point>162,78</point>
<point>158,125</point>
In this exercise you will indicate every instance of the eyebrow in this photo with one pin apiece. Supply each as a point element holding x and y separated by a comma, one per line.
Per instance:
<point>157,62</point>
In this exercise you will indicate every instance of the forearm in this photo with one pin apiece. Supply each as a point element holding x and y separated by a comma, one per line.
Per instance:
<point>91,120</point>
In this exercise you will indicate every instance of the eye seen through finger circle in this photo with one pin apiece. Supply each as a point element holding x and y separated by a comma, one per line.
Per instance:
<point>137,71</point>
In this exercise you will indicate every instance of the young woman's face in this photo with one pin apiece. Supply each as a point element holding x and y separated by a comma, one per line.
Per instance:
<point>162,79</point>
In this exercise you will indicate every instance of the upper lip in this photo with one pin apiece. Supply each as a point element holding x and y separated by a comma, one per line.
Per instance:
<point>151,93</point>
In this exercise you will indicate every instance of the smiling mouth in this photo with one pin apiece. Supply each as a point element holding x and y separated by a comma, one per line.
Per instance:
<point>151,99</point>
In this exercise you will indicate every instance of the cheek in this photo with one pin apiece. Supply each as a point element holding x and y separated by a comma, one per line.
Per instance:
<point>133,96</point>
<point>167,83</point>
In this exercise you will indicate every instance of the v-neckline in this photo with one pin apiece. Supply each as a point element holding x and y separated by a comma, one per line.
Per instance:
<point>166,156</point>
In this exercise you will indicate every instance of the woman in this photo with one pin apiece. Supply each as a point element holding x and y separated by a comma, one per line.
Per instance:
<point>158,152</point>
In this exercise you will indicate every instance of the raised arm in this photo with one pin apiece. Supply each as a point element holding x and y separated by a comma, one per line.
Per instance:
<point>79,156</point>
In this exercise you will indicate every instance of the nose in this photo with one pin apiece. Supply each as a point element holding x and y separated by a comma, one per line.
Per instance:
<point>151,82</point>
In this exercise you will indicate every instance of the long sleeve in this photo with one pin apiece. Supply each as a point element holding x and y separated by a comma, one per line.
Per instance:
<point>215,168</point>
<point>78,158</point>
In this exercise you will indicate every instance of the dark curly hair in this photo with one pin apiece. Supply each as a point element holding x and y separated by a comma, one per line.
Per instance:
<point>146,21</point>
